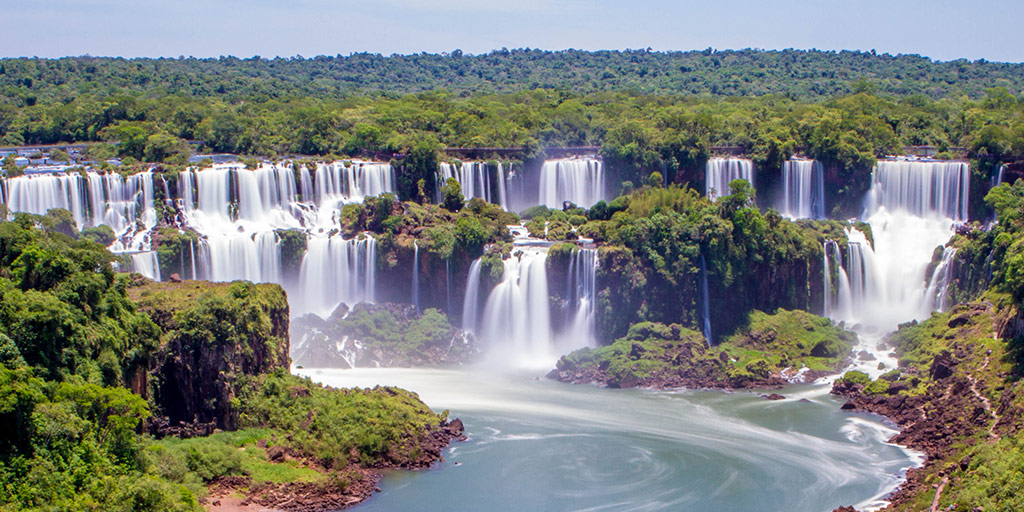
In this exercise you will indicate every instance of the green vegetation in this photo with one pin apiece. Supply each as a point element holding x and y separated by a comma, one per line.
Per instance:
<point>650,112</point>
<point>770,349</point>
<point>83,374</point>
<point>653,242</point>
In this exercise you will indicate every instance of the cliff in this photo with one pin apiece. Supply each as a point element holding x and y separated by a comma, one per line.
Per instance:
<point>213,334</point>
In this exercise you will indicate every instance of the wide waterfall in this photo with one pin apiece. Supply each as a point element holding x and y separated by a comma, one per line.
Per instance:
<point>577,180</point>
<point>352,181</point>
<point>921,188</point>
<point>719,172</point>
<point>803,190</point>
<point>239,213</point>
<point>912,207</point>
<point>93,199</point>
<point>516,320</point>
<point>477,179</point>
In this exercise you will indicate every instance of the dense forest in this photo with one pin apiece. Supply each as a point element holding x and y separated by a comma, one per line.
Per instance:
<point>801,74</point>
<point>844,108</point>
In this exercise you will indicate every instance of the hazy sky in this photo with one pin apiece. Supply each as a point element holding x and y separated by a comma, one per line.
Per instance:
<point>941,29</point>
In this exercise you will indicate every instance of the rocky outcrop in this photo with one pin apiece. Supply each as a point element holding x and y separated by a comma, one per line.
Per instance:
<point>380,335</point>
<point>213,334</point>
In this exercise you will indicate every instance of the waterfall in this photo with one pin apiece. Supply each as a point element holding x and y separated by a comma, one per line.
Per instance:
<point>516,320</point>
<point>192,258</point>
<point>803,187</point>
<point>705,306</point>
<point>911,207</point>
<point>720,171</point>
<point>335,271</point>
<point>352,181</point>
<point>147,264</point>
<point>39,193</point>
<point>578,180</point>
<point>416,275</point>
<point>921,188</point>
<point>583,287</point>
<point>475,179</point>
<point>938,283</point>
<point>126,205</point>
<point>998,179</point>
<point>471,300</point>
<point>838,299</point>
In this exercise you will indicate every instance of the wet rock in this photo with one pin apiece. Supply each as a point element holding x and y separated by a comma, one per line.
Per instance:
<point>848,406</point>
<point>773,396</point>
<point>864,355</point>
<point>455,427</point>
<point>965,463</point>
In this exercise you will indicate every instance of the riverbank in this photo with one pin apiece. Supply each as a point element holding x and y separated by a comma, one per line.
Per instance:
<point>333,489</point>
<point>956,397</point>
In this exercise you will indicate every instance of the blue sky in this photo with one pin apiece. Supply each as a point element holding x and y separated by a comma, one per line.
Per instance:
<point>941,29</point>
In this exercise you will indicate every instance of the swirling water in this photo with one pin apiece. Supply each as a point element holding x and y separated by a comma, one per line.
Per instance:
<point>536,444</point>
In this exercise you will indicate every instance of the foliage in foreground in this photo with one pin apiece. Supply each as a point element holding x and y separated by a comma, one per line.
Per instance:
<point>72,344</point>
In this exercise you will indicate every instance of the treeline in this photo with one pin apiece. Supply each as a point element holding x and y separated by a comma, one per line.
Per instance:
<point>799,74</point>
<point>647,132</point>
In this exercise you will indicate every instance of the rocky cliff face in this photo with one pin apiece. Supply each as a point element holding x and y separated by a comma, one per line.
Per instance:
<point>213,334</point>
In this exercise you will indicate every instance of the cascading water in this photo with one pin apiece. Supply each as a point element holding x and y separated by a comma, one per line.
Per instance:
<point>998,178</point>
<point>921,188</point>
<point>803,190</point>
<point>475,179</point>
<point>334,271</point>
<point>92,199</point>
<point>912,207</point>
<point>583,286</point>
<point>578,180</point>
<point>471,301</point>
<point>239,212</point>
<point>705,302</point>
<point>147,264</point>
<point>416,275</point>
<point>938,284</point>
<point>719,172</point>
<point>351,181</point>
<point>516,322</point>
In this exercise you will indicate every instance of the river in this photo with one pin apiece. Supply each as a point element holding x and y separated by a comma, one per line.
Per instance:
<point>539,445</point>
